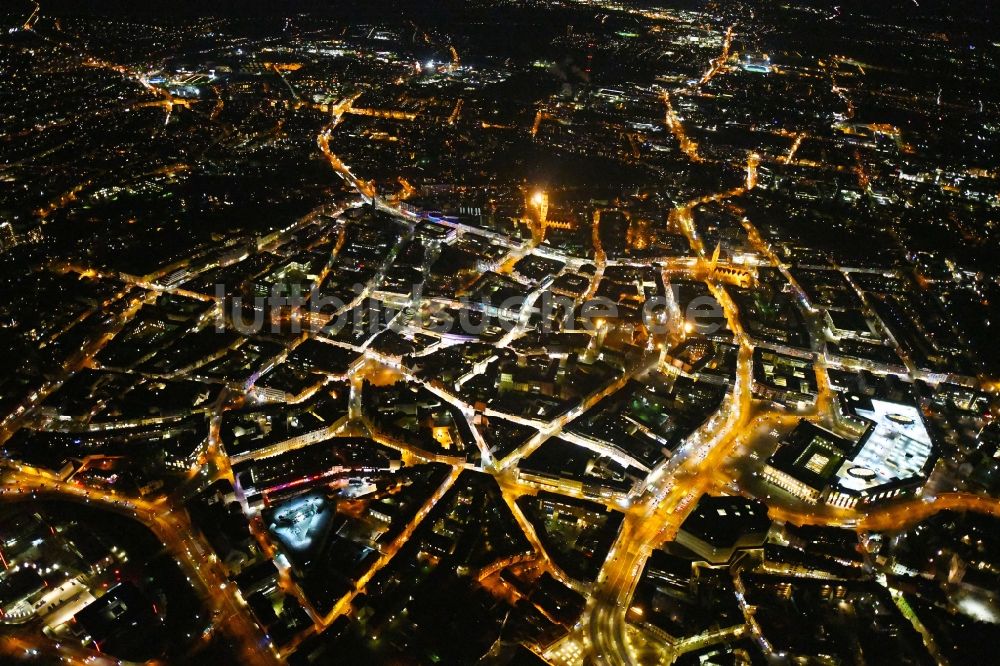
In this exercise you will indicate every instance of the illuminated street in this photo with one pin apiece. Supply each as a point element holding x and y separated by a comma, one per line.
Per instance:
<point>570,333</point>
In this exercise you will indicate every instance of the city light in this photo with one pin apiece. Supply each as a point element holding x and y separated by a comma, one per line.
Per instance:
<point>499,334</point>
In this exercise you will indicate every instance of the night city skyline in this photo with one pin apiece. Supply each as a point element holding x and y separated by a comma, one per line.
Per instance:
<point>499,332</point>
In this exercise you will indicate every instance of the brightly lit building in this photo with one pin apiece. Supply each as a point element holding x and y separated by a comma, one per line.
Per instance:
<point>893,456</point>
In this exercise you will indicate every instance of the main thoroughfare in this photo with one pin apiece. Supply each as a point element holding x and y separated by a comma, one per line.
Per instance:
<point>172,527</point>
<point>667,500</point>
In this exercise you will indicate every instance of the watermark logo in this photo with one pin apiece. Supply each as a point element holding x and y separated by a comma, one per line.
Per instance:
<point>287,309</point>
